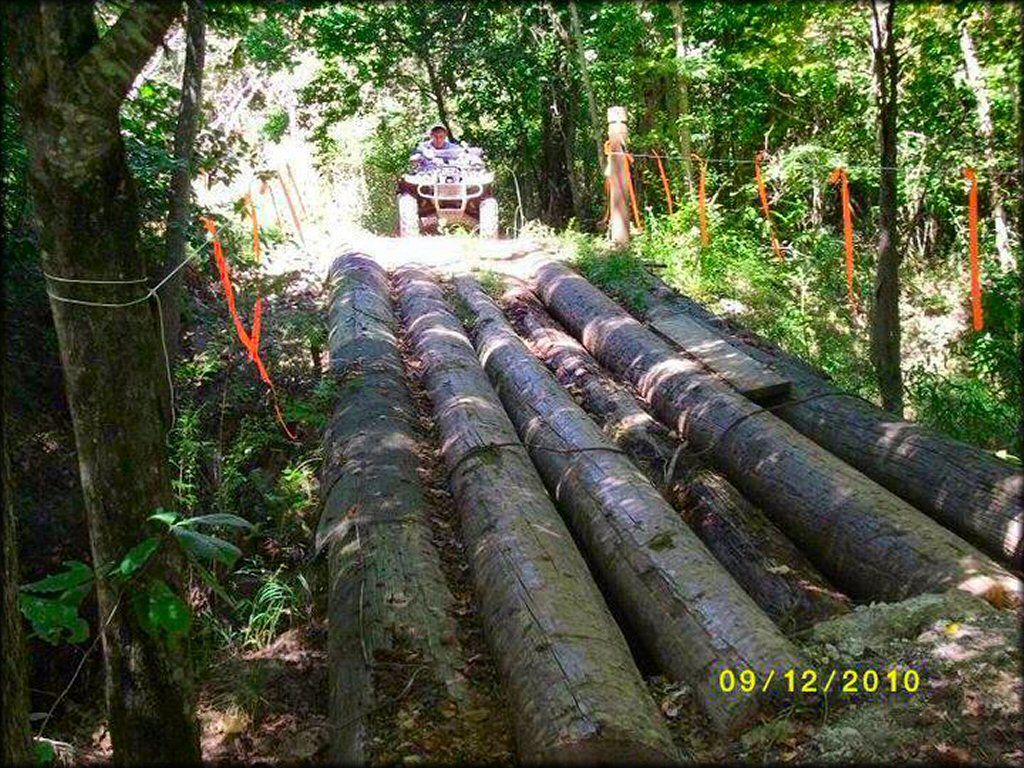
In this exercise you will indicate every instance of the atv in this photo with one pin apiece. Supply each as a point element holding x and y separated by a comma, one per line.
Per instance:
<point>447,187</point>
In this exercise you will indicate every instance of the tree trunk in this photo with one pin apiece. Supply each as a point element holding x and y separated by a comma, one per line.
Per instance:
<point>885,319</point>
<point>976,82</point>
<point>693,618</point>
<point>180,192</point>
<point>868,542</point>
<point>437,91</point>
<point>575,691</point>
<point>765,563</point>
<point>17,746</point>
<point>596,126</point>
<point>71,84</point>
<point>964,488</point>
<point>387,590</point>
<point>685,148</point>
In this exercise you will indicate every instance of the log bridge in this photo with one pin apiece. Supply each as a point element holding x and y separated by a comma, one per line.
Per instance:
<point>631,492</point>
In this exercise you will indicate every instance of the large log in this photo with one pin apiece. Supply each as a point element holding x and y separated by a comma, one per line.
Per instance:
<point>965,488</point>
<point>573,687</point>
<point>757,554</point>
<point>686,610</point>
<point>387,590</point>
<point>866,540</point>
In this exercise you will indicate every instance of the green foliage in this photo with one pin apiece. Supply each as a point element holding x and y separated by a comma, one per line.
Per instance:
<point>276,125</point>
<point>276,601</point>
<point>963,407</point>
<point>153,602</point>
<point>385,158</point>
<point>56,619</point>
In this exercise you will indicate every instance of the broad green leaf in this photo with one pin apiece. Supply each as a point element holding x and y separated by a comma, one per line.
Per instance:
<point>52,620</point>
<point>160,611</point>
<point>137,557</point>
<point>219,518</point>
<point>204,547</point>
<point>165,517</point>
<point>75,573</point>
<point>75,595</point>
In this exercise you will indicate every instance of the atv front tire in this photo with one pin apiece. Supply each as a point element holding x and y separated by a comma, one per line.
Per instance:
<point>489,218</point>
<point>408,216</point>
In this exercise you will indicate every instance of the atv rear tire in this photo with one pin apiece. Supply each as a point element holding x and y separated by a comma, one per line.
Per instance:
<point>489,218</point>
<point>408,216</point>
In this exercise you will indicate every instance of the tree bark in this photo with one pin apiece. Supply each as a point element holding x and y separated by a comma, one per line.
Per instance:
<point>685,146</point>
<point>180,192</point>
<point>683,606</point>
<point>575,691</point>
<point>868,542</point>
<point>964,488</point>
<point>885,319</point>
<point>71,83</point>
<point>596,126</point>
<point>17,738</point>
<point>976,82</point>
<point>764,562</point>
<point>437,91</point>
<point>387,590</point>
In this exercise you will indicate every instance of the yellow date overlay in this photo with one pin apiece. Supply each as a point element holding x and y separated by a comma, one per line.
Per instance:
<point>842,681</point>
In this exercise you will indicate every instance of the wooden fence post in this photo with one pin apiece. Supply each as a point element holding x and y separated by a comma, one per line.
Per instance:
<point>618,183</point>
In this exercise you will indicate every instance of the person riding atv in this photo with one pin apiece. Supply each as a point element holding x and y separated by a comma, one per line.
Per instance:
<point>447,184</point>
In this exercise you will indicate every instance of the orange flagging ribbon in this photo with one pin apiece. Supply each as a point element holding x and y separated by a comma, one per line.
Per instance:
<point>255,227</point>
<point>839,174</point>
<point>972,217</point>
<point>705,237</point>
<point>251,343</point>
<point>664,182</point>
<point>629,178</point>
<point>764,204</point>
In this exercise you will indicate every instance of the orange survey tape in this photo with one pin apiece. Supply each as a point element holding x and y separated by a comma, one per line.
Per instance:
<point>839,174</point>
<point>664,182</point>
<point>705,237</point>
<point>972,217</point>
<point>764,204</point>
<point>251,343</point>
<point>629,179</point>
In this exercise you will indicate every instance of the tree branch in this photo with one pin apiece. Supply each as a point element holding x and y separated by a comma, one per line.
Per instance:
<point>107,71</point>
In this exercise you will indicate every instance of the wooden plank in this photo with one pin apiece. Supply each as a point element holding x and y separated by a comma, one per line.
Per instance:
<point>752,379</point>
